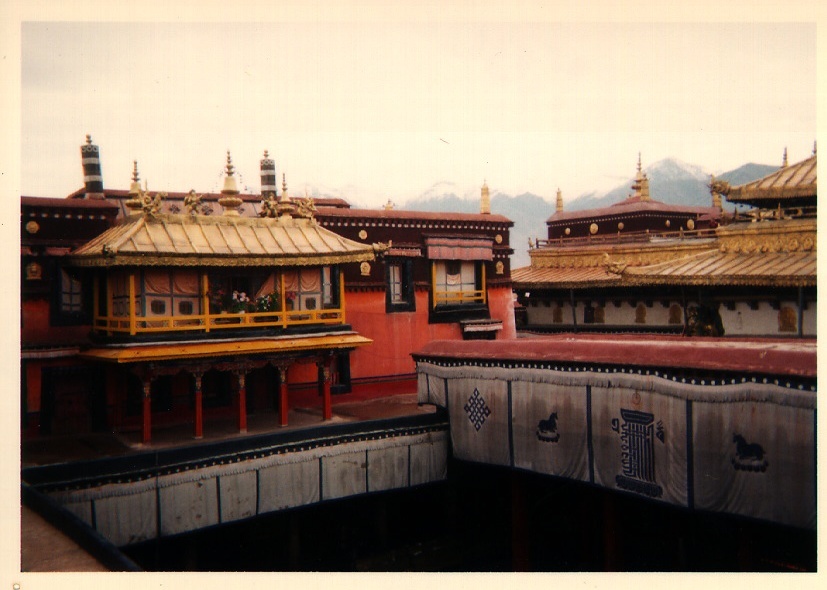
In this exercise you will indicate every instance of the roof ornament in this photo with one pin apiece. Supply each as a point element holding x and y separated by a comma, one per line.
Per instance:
<point>389,205</point>
<point>559,200</point>
<point>140,201</point>
<point>192,202</point>
<point>641,184</point>
<point>613,267</point>
<point>485,199</point>
<point>716,189</point>
<point>229,199</point>
<point>784,161</point>
<point>814,147</point>
<point>135,187</point>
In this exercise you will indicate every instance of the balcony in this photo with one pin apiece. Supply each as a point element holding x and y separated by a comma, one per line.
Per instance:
<point>133,323</point>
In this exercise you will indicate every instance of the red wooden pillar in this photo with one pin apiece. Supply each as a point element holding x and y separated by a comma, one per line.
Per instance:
<point>199,413</point>
<point>327,412</point>
<point>146,431</point>
<point>283,407</point>
<point>242,402</point>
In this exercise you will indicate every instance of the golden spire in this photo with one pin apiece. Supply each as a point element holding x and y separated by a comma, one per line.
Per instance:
<point>485,199</point>
<point>559,200</point>
<point>784,161</point>
<point>814,147</point>
<point>284,186</point>
<point>135,187</point>
<point>640,180</point>
<point>229,194</point>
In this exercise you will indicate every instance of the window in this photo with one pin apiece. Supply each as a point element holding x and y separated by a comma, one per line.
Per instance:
<point>400,291</point>
<point>158,307</point>
<point>71,293</point>
<point>458,282</point>
<point>71,299</point>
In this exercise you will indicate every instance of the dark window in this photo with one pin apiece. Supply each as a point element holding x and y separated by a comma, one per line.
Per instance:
<point>400,289</point>
<point>185,307</point>
<point>71,299</point>
<point>158,307</point>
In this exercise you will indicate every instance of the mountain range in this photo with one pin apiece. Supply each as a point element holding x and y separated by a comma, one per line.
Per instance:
<point>670,181</point>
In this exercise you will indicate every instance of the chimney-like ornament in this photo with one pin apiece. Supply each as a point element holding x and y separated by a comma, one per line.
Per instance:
<point>92,177</point>
<point>559,200</point>
<point>268,177</point>
<point>229,199</point>
<point>485,200</point>
<point>784,160</point>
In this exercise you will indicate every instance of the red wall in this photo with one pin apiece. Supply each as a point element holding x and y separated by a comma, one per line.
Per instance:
<point>396,335</point>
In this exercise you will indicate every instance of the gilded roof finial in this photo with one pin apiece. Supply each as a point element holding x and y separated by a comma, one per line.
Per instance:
<point>559,200</point>
<point>639,167</point>
<point>229,194</point>
<point>88,139</point>
<point>135,187</point>
<point>784,161</point>
<point>283,185</point>
<point>485,199</point>
<point>265,153</point>
<point>814,147</point>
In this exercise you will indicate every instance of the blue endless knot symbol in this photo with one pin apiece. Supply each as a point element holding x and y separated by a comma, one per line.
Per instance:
<point>477,410</point>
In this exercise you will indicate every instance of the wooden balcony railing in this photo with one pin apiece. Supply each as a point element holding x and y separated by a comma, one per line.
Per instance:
<point>134,324</point>
<point>458,297</point>
<point>209,322</point>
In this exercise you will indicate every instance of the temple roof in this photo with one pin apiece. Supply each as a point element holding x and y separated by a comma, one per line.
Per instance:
<point>529,277</point>
<point>220,240</point>
<point>398,214</point>
<point>779,269</point>
<point>630,206</point>
<point>795,182</point>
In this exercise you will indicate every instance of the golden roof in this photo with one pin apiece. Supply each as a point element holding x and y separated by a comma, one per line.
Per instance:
<point>788,182</point>
<point>779,269</point>
<point>529,277</point>
<point>200,240</point>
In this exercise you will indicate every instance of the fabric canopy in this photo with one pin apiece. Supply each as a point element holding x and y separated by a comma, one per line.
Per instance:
<point>459,248</point>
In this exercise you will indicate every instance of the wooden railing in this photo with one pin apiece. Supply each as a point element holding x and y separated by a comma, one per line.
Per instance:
<point>222,321</point>
<point>459,297</point>
<point>133,323</point>
<point>626,238</point>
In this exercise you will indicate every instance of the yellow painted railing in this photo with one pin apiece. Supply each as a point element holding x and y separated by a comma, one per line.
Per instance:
<point>133,323</point>
<point>209,322</point>
<point>459,297</point>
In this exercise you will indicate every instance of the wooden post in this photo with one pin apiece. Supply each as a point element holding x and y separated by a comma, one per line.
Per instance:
<point>242,401</point>
<point>205,300</point>
<point>342,296</point>
<point>146,432</point>
<point>199,416</point>
<point>132,310</point>
<point>95,301</point>
<point>327,404</point>
<point>283,306</point>
<point>283,406</point>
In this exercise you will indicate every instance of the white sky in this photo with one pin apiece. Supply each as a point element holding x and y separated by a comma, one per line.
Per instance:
<point>379,109</point>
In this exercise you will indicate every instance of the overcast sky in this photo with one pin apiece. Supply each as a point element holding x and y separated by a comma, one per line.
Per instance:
<point>384,110</point>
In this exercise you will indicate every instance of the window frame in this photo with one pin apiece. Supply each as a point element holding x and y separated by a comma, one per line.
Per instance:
<point>407,299</point>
